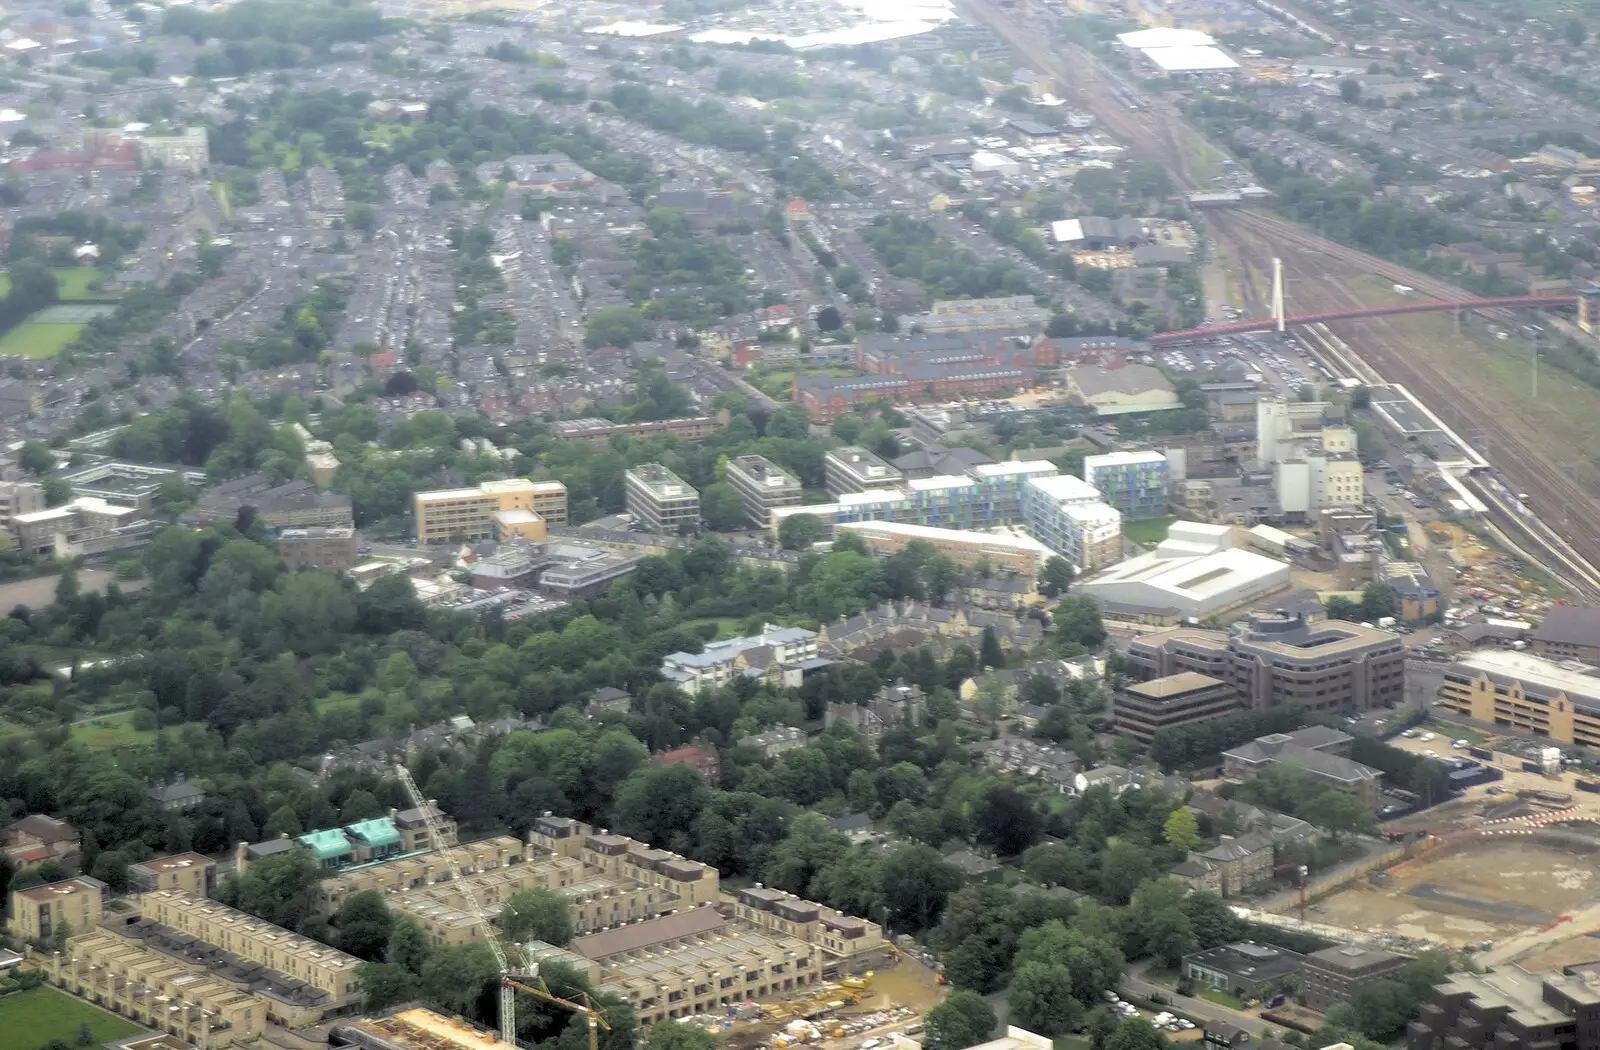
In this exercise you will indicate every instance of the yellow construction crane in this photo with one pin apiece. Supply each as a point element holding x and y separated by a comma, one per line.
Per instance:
<point>458,868</point>
<point>595,1019</point>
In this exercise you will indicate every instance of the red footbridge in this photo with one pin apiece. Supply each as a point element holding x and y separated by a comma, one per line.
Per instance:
<point>1268,324</point>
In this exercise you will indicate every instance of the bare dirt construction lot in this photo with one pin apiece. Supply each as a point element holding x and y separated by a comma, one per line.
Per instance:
<point>1476,890</point>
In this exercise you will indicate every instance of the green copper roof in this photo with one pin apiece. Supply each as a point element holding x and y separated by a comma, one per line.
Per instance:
<point>375,833</point>
<point>326,844</point>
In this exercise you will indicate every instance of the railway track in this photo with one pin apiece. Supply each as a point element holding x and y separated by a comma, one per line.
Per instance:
<point>1322,270</point>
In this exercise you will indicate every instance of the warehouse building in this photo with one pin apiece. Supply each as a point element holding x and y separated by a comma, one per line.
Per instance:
<point>1525,694</point>
<point>1194,573</point>
<point>660,500</point>
<point>762,486</point>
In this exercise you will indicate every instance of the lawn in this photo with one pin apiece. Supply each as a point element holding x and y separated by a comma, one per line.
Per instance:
<point>32,339</point>
<point>39,1015</point>
<point>1071,1042</point>
<point>727,626</point>
<point>1221,998</point>
<point>112,732</point>
<point>1455,730</point>
<point>1148,531</point>
<point>72,281</point>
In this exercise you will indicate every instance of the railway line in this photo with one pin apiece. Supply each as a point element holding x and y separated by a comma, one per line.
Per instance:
<point>1559,492</point>
<point>1322,272</point>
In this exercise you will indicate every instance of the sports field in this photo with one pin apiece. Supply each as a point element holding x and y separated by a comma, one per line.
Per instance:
<point>33,1018</point>
<point>36,339</point>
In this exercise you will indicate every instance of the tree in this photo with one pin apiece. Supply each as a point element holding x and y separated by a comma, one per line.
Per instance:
<point>1181,830</point>
<point>1007,821</point>
<point>537,914</point>
<point>1056,576</point>
<point>365,925</point>
<point>35,457</point>
<point>660,805</point>
<point>1575,32</point>
<point>1135,1033</point>
<point>829,320</point>
<point>1169,936</point>
<point>408,945</point>
<point>56,491</point>
<point>456,978</point>
<point>964,1019</point>
<point>1350,90</point>
<point>280,888</point>
<point>385,984</point>
<point>915,884</point>
<point>1041,1000</point>
<point>989,652</point>
<point>1077,621</point>
<point>800,531</point>
<point>1094,963</point>
<point>1122,868</point>
<point>721,506</point>
<point>674,1035</point>
<point>619,326</point>
<point>1338,813</point>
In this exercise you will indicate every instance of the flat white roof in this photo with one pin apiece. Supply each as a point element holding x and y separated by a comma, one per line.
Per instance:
<point>1007,540</point>
<point>1016,466</point>
<point>940,481</point>
<point>858,499</point>
<point>1066,488</point>
<point>1165,36</point>
<point>1066,230</point>
<point>1122,458</point>
<point>633,29</point>
<point>1190,59</point>
<point>1568,678</point>
<point>1206,577</point>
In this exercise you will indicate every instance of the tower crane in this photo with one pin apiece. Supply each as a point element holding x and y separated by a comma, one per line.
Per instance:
<point>594,1018</point>
<point>447,849</point>
<point>511,981</point>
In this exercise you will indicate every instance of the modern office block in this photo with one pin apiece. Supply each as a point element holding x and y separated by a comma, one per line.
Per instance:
<point>762,486</point>
<point>661,500</point>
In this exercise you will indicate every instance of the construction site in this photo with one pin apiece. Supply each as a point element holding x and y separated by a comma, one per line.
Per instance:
<point>1474,890</point>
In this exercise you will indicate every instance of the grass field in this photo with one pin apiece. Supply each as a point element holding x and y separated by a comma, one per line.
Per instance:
<point>35,1017</point>
<point>72,281</point>
<point>1220,998</point>
<point>112,732</point>
<point>33,339</point>
<point>1147,530</point>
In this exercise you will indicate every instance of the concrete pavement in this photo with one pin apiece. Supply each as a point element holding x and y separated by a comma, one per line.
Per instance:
<point>1200,1011</point>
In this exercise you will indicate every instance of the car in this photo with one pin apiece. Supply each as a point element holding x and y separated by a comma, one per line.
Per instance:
<point>1409,733</point>
<point>1425,737</point>
<point>1458,744</point>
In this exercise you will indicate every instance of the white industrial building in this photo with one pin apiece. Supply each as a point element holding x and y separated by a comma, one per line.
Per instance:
<point>1194,573</point>
<point>1313,461</point>
<point>1171,50</point>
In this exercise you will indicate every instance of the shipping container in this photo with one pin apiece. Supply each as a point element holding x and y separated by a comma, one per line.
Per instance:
<point>1588,785</point>
<point>1532,767</point>
<point>1481,752</point>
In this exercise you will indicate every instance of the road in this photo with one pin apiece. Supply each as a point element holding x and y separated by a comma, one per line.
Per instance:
<point>1200,1010</point>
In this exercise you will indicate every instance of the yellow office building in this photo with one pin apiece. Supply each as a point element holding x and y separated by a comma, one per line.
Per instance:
<point>1525,694</point>
<point>514,507</point>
